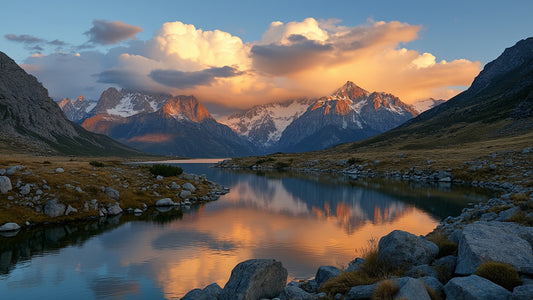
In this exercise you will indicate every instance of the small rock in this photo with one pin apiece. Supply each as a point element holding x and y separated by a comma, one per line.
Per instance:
<point>355,265</point>
<point>114,210</point>
<point>54,209</point>
<point>185,194</point>
<point>189,187</point>
<point>138,211</point>
<point>159,177</point>
<point>210,292</point>
<point>296,293</point>
<point>70,210</point>
<point>112,193</point>
<point>14,169</point>
<point>474,287</point>
<point>165,202</point>
<point>60,170</point>
<point>527,150</point>
<point>324,273</point>
<point>174,186</point>
<point>255,279</point>
<point>2,171</point>
<point>508,213</point>
<point>25,189</point>
<point>9,227</point>
<point>38,192</point>
<point>5,184</point>
<point>78,189</point>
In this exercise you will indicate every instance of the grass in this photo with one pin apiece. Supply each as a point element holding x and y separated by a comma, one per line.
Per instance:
<point>165,170</point>
<point>97,164</point>
<point>500,273</point>
<point>371,271</point>
<point>446,247</point>
<point>386,290</point>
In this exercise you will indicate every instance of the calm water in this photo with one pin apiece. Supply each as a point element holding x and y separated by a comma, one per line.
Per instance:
<point>304,222</point>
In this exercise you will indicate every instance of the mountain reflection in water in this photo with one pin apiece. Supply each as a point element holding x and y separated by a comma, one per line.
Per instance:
<point>303,222</point>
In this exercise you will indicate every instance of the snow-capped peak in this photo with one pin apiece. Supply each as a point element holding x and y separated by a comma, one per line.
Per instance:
<point>349,91</point>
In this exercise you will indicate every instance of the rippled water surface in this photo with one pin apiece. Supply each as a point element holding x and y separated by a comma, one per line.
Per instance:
<point>304,222</point>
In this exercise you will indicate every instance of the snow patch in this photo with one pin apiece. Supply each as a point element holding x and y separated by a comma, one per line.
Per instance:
<point>124,108</point>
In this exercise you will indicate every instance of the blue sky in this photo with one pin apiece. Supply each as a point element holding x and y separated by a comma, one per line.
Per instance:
<point>476,31</point>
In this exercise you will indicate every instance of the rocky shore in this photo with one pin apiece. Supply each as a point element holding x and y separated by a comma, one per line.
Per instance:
<point>484,253</point>
<point>481,254</point>
<point>64,190</point>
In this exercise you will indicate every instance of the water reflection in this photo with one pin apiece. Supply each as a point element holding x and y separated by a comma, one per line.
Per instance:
<point>303,222</point>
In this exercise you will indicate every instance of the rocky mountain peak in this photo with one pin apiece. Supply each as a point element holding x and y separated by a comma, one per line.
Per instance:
<point>349,91</point>
<point>185,107</point>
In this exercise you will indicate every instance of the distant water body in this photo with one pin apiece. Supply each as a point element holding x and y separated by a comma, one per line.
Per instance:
<point>304,222</point>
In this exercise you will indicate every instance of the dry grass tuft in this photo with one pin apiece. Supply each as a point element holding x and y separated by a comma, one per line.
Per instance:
<point>500,273</point>
<point>386,290</point>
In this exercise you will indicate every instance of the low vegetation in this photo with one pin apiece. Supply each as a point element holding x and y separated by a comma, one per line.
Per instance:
<point>386,290</point>
<point>165,170</point>
<point>97,164</point>
<point>500,273</point>
<point>446,247</point>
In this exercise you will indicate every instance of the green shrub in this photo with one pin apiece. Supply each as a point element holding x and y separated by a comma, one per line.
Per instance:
<point>500,273</point>
<point>97,164</point>
<point>165,170</point>
<point>264,160</point>
<point>446,247</point>
<point>281,165</point>
<point>46,162</point>
<point>386,290</point>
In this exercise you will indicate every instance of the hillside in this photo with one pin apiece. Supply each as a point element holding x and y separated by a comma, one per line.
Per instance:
<point>32,122</point>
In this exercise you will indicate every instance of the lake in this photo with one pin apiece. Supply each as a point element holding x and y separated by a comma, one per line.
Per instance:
<point>304,221</point>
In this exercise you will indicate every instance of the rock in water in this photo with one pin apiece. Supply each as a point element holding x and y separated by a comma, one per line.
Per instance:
<point>210,292</point>
<point>255,279</point>
<point>474,287</point>
<point>9,227</point>
<point>402,248</point>
<point>5,184</point>
<point>482,241</point>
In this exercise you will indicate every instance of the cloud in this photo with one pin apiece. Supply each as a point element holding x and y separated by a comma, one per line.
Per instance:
<point>296,59</point>
<point>106,33</point>
<point>24,38</point>
<point>184,80</point>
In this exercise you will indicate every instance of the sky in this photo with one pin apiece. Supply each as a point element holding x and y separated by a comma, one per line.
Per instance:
<point>236,54</point>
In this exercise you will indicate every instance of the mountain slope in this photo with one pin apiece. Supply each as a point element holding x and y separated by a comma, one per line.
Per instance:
<point>182,126</point>
<point>77,109</point>
<point>32,122</point>
<point>498,104</point>
<point>427,104</point>
<point>349,114</point>
<point>263,124</point>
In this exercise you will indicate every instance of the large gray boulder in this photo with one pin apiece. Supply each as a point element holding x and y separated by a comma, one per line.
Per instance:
<point>54,209</point>
<point>5,184</point>
<point>189,187</point>
<point>255,279</point>
<point>112,193</point>
<point>494,241</point>
<point>413,289</point>
<point>434,284</point>
<point>325,273</point>
<point>475,288</point>
<point>361,292</point>
<point>9,227</point>
<point>210,292</point>
<point>523,292</point>
<point>403,248</point>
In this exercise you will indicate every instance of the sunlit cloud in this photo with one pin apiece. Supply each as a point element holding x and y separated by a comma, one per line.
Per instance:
<point>295,59</point>
<point>106,33</point>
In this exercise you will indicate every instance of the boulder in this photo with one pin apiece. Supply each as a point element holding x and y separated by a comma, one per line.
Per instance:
<point>14,169</point>
<point>296,293</point>
<point>185,194</point>
<point>9,227</point>
<point>114,210</point>
<point>494,241</point>
<point>355,265</point>
<point>54,209</point>
<point>5,184</point>
<point>165,202</point>
<point>421,271</point>
<point>189,187</point>
<point>413,289</point>
<point>174,186</point>
<point>523,292</point>
<point>138,211</point>
<point>448,263</point>
<point>361,292</point>
<point>112,193</point>
<point>434,284</point>
<point>474,287</point>
<point>210,292</point>
<point>255,279</point>
<point>402,248</point>
<point>508,213</point>
<point>325,273</point>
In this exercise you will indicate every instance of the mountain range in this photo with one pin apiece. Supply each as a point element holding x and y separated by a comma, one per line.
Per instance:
<point>162,124</point>
<point>32,122</point>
